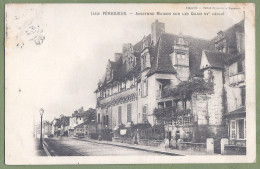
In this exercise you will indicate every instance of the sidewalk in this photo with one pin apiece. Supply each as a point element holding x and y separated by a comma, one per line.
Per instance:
<point>160,150</point>
<point>39,152</point>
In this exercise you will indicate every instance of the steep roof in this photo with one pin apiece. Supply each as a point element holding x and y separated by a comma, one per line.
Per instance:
<point>230,36</point>
<point>217,59</point>
<point>230,33</point>
<point>240,112</point>
<point>162,62</point>
<point>139,45</point>
<point>160,59</point>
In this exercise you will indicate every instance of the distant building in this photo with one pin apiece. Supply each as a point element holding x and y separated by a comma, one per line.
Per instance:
<point>47,128</point>
<point>76,119</point>
<point>59,125</point>
<point>80,130</point>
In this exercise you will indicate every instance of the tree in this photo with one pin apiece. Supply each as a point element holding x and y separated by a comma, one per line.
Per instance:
<point>90,116</point>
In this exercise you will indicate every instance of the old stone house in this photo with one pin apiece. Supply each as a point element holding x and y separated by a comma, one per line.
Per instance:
<point>138,83</point>
<point>76,119</point>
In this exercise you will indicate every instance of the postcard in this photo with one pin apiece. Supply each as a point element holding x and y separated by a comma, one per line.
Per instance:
<point>130,83</point>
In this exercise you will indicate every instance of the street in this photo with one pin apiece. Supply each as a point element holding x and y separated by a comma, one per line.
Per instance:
<point>70,147</point>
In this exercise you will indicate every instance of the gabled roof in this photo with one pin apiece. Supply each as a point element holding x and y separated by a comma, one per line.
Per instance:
<point>230,36</point>
<point>234,58</point>
<point>216,59</point>
<point>160,55</point>
<point>161,62</point>
<point>240,112</point>
<point>139,45</point>
<point>230,33</point>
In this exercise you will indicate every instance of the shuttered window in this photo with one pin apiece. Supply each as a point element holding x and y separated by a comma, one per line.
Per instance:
<point>233,129</point>
<point>129,112</point>
<point>144,113</point>
<point>106,119</point>
<point>98,118</point>
<point>144,87</point>
<point>119,114</point>
<point>241,129</point>
<point>243,96</point>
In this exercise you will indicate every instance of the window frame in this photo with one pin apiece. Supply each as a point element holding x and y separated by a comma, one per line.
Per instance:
<point>145,113</point>
<point>244,128</point>
<point>119,115</point>
<point>236,129</point>
<point>129,112</point>
<point>233,129</point>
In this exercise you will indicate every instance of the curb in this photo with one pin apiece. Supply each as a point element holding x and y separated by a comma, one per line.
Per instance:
<point>136,148</point>
<point>47,148</point>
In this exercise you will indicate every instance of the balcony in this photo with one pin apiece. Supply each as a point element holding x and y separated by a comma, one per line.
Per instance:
<point>237,79</point>
<point>123,96</point>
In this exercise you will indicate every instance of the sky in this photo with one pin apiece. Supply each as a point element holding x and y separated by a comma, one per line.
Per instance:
<point>55,54</point>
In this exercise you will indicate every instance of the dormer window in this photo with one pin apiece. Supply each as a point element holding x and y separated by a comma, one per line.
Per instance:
<point>144,61</point>
<point>145,88</point>
<point>181,41</point>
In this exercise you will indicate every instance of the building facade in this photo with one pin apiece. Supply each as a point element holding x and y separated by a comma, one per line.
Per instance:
<point>166,73</point>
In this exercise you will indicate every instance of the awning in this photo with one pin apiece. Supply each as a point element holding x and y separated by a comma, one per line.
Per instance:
<point>128,124</point>
<point>116,128</point>
<point>241,112</point>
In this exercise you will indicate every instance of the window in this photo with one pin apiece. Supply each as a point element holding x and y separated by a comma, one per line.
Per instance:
<point>129,112</point>
<point>168,103</point>
<point>233,129</point>
<point>241,129</point>
<point>145,88</point>
<point>239,67</point>
<point>181,41</point>
<point>98,118</point>
<point>237,129</point>
<point>233,69</point>
<point>106,119</point>
<point>243,96</point>
<point>144,113</point>
<point>119,114</point>
<point>240,42</point>
<point>144,61</point>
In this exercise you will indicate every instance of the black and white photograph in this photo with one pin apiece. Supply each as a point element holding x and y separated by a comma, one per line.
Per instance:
<point>124,83</point>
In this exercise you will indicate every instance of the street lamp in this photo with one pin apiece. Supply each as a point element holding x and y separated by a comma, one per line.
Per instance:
<point>41,113</point>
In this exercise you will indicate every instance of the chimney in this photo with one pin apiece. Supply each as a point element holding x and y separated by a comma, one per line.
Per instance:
<point>126,50</point>
<point>157,29</point>
<point>118,57</point>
